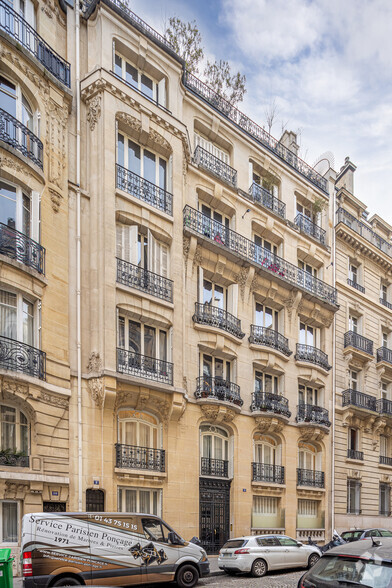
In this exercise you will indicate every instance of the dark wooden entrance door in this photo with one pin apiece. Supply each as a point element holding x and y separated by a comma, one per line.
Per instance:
<point>214,513</point>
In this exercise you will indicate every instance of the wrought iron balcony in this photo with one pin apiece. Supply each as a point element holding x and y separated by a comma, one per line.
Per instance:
<point>310,478</point>
<point>270,403</point>
<point>342,216</point>
<point>261,196</point>
<point>205,314</point>
<point>355,285</point>
<point>14,25</point>
<point>255,131</point>
<point>18,246</point>
<point>385,302</point>
<point>354,398</point>
<point>214,467</point>
<point>269,338</point>
<point>20,357</point>
<point>143,189</point>
<point>12,458</point>
<point>310,228</point>
<point>263,472</point>
<point>18,136</point>
<point>215,232</point>
<point>142,366</point>
<point>384,460</point>
<point>140,458</point>
<point>384,406</point>
<point>359,342</point>
<point>384,354</point>
<point>209,387</point>
<point>312,414</point>
<point>216,166</point>
<point>137,277</point>
<point>312,355</point>
<point>354,454</point>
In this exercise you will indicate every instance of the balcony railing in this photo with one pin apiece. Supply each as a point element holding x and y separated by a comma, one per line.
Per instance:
<point>216,232</point>
<point>140,458</point>
<point>384,460</point>
<point>205,314</point>
<point>310,228</point>
<point>310,478</point>
<point>269,338</point>
<point>342,216</point>
<point>214,467</point>
<point>354,398</point>
<point>256,132</point>
<point>313,414</point>
<point>216,166</point>
<point>143,189</point>
<point>384,406</point>
<point>354,454</point>
<point>384,354</point>
<point>357,341</point>
<point>135,364</point>
<point>385,302</point>
<point>14,133</point>
<point>263,472</point>
<point>14,25</point>
<point>261,196</point>
<point>270,403</point>
<point>209,387</point>
<point>137,277</point>
<point>20,357</point>
<point>312,355</point>
<point>18,246</point>
<point>13,459</point>
<point>355,285</point>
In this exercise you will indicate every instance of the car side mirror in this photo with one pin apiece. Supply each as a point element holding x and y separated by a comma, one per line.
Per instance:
<point>299,544</point>
<point>175,539</point>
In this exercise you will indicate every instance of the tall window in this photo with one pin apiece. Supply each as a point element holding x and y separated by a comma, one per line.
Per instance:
<point>141,161</point>
<point>138,428</point>
<point>265,450</point>
<point>307,457</point>
<point>354,380</point>
<point>214,295</point>
<point>143,339</point>
<point>353,273</point>
<point>15,208</point>
<point>142,249</point>
<point>308,395</point>
<point>25,8</point>
<point>266,383</point>
<point>384,390</point>
<point>139,80</point>
<point>261,242</point>
<point>383,291</point>
<point>385,500</point>
<point>14,432</point>
<point>9,523</point>
<point>353,443</point>
<point>353,497</point>
<point>215,215</point>
<point>308,335</point>
<point>215,367</point>
<point>353,324</point>
<point>214,442</point>
<point>16,317</point>
<point>266,317</point>
<point>139,500</point>
<point>13,101</point>
<point>306,211</point>
<point>309,269</point>
<point>212,148</point>
<point>384,446</point>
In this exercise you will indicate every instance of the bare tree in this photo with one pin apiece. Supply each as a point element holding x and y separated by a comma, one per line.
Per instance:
<point>270,114</point>
<point>230,86</point>
<point>186,40</point>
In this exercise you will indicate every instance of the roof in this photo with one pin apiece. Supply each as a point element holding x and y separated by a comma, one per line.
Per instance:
<point>366,549</point>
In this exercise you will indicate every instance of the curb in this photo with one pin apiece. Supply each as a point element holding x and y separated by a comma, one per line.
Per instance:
<point>218,573</point>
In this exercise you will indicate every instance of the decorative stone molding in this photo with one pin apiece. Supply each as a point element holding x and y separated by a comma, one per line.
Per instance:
<point>56,199</point>
<point>94,110</point>
<point>197,258</point>
<point>15,167</point>
<point>39,81</point>
<point>136,125</point>
<point>312,433</point>
<point>50,8</point>
<point>186,244</point>
<point>16,388</point>
<point>217,414</point>
<point>269,424</point>
<point>53,400</point>
<point>241,279</point>
<point>15,490</point>
<point>97,391</point>
<point>354,474</point>
<point>178,409</point>
<point>94,362</point>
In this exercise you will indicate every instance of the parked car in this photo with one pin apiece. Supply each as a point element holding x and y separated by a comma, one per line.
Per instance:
<point>258,554</point>
<point>364,534</point>
<point>365,563</point>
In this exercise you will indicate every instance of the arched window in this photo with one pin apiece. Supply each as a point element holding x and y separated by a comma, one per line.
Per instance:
<point>14,431</point>
<point>215,442</point>
<point>16,209</point>
<point>307,456</point>
<point>138,429</point>
<point>16,320</point>
<point>13,101</point>
<point>266,449</point>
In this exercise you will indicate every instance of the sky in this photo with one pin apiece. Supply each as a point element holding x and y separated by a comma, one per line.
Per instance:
<point>327,64</point>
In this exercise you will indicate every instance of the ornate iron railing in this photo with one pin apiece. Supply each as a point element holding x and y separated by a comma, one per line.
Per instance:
<point>212,230</point>
<point>205,314</point>
<point>214,467</point>
<point>216,166</point>
<point>313,414</point>
<point>218,389</point>
<point>384,406</point>
<point>355,285</point>
<point>385,302</point>
<point>269,402</point>
<point>142,366</point>
<point>384,354</point>
<point>354,398</point>
<point>263,472</point>
<point>342,216</point>
<point>255,131</point>
<point>143,189</point>
<point>310,478</point>
<point>310,228</point>
<point>20,357</point>
<point>269,338</point>
<point>384,460</point>
<point>354,454</point>
<point>8,458</point>
<point>14,133</point>
<point>137,277</point>
<point>18,246</point>
<point>140,458</point>
<point>12,23</point>
<point>261,196</point>
<point>312,355</point>
<point>360,342</point>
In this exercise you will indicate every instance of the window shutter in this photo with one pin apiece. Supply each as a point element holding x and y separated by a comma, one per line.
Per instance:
<point>232,299</point>
<point>275,191</point>
<point>119,241</point>
<point>201,279</point>
<point>164,260</point>
<point>231,457</point>
<point>151,252</point>
<point>170,344</point>
<point>169,180</point>
<point>250,174</point>
<point>162,92</point>
<point>30,13</point>
<point>35,216</point>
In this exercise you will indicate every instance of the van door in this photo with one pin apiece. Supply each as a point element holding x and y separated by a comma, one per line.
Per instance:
<point>160,556</point>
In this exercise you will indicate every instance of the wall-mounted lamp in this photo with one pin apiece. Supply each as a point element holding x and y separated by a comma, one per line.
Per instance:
<point>329,265</point>
<point>246,211</point>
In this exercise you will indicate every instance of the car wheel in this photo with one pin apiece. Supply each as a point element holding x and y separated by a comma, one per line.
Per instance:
<point>67,581</point>
<point>187,577</point>
<point>259,568</point>
<point>313,559</point>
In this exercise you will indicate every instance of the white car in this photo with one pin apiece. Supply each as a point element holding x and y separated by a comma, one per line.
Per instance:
<point>258,554</point>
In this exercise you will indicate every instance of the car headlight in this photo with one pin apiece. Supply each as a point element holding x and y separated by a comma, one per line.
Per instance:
<point>203,555</point>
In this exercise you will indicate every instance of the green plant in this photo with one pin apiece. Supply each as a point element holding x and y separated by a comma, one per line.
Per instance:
<point>318,205</point>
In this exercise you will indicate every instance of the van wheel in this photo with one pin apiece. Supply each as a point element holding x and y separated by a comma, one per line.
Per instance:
<point>187,577</point>
<point>67,581</point>
<point>259,568</point>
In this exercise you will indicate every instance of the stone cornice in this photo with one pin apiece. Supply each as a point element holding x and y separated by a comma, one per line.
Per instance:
<point>363,247</point>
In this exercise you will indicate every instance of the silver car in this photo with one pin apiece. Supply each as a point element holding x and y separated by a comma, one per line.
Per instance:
<point>258,554</point>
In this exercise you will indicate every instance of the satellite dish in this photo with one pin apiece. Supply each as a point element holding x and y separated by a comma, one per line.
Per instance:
<point>324,162</point>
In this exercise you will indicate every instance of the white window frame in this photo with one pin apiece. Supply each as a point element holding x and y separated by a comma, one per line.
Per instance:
<point>384,291</point>
<point>17,522</point>
<point>227,365</point>
<point>121,498</point>
<point>19,95</point>
<point>308,268</point>
<point>270,378</point>
<point>131,244</point>
<point>307,391</point>
<point>215,432</point>
<point>384,496</point>
<point>210,147</point>
<point>353,324</point>
<point>265,505</point>
<point>353,272</point>
<point>34,228</point>
<point>18,429</point>
<point>214,301</point>
<point>354,379</point>
<point>308,508</point>
<point>260,241</point>
<point>304,335</point>
<point>307,457</point>
<point>20,299</point>
<point>155,84</point>
<point>137,417</point>
<point>126,320</point>
<point>158,156</point>
<point>356,507</point>
<point>385,390</point>
<point>350,438</point>
<point>263,311</point>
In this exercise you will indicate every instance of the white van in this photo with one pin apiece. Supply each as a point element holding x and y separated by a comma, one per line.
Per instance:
<point>106,549</point>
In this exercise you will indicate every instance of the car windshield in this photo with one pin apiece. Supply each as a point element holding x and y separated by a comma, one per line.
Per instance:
<point>348,571</point>
<point>235,544</point>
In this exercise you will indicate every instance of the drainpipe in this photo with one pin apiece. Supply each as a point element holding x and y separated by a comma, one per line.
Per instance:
<point>333,364</point>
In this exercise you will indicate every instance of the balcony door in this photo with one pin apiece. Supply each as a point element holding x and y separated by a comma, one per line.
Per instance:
<point>137,429</point>
<point>16,318</point>
<point>266,383</point>
<point>25,9</point>
<point>265,453</point>
<point>307,459</point>
<point>307,335</point>
<point>13,101</point>
<point>214,295</point>
<point>308,395</point>
<point>266,317</point>
<point>142,249</point>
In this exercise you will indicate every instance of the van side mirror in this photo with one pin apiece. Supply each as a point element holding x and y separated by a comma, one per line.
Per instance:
<point>175,539</point>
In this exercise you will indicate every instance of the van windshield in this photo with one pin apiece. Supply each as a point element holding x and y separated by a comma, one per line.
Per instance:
<point>154,530</point>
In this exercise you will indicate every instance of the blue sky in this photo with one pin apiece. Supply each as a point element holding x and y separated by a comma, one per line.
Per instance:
<point>327,64</point>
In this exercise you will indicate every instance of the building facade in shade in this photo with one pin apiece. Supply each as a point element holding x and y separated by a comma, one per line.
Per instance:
<point>35,99</point>
<point>363,447</point>
<point>206,301</point>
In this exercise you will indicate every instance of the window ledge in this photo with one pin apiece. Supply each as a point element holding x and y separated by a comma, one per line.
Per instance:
<point>134,473</point>
<point>356,461</point>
